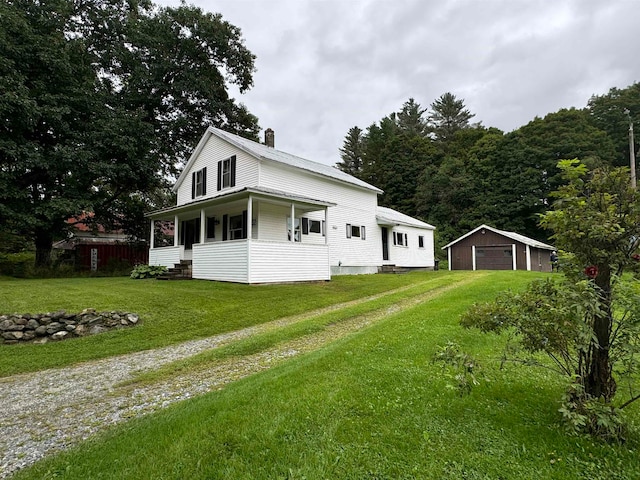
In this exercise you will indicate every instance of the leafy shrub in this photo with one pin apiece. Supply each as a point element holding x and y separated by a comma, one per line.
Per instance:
<point>17,264</point>
<point>459,366</point>
<point>148,271</point>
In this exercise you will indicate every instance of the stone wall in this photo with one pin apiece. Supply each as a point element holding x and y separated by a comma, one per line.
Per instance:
<point>60,325</point>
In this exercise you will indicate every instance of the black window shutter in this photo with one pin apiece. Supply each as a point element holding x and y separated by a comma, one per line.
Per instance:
<point>305,226</point>
<point>232,182</point>
<point>362,235</point>
<point>395,242</point>
<point>406,240</point>
<point>348,230</point>
<point>219,176</point>
<point>225,223</point>
<point>322,228</point>
<point>204,181</point>
<point>244,224</point>
<point>193,185</point>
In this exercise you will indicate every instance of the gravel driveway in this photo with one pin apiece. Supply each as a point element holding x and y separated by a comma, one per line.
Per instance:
<point>47,411</point>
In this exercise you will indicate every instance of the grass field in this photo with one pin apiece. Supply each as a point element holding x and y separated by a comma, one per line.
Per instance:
<point>371,405</point>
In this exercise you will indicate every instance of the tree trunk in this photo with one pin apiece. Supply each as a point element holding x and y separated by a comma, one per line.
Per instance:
<point>44,242</point>
<point>600,382</point>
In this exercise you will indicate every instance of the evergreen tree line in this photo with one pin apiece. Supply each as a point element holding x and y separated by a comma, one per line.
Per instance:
<point>434,164</point>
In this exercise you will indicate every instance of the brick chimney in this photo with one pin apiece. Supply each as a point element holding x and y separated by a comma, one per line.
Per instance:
<point>269,138</point>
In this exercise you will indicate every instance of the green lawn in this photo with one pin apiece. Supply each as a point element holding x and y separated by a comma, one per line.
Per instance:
<point>369,406</point>
<point>171,312</point>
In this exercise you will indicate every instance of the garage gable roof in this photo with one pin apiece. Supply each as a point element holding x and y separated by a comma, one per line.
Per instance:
<point>513,236</point>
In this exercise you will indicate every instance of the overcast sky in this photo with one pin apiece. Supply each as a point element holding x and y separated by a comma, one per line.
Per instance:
<point>324,66</point>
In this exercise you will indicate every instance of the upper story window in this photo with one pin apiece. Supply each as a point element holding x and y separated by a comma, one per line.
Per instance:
<point>227,173</point>
<point>199,183</point>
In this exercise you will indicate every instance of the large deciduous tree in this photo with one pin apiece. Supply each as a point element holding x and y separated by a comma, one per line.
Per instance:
<point>609,113</point>
<point>525,171</point>
<point>100,100</point>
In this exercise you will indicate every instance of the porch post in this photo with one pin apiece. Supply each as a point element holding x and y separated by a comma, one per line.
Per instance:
<point>528,258</point>
<point>203,225</point>
<point>513,254</point>
<point>152,239</point>
<point>176,237</point>
<point>250,218</point>
<point>326,225</point>
<point>293,223</point>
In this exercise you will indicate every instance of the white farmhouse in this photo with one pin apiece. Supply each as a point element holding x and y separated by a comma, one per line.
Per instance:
<point>249,213</point>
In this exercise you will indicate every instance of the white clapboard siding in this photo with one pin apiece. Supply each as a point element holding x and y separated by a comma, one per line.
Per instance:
<point>411,255</point>
<point>288,262</point>
<point>355,206</point>
<point>167,256</point>
<point>272,222</point>
<point>270,262</point>
<point>301,182</point>
<point>223,261</point>
<point>215,149</point>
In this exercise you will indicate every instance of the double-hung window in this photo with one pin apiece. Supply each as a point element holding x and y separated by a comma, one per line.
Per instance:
<point>236,227</point>
<point>199,183</point>
<point>420,241</point>
<point>227,173</point>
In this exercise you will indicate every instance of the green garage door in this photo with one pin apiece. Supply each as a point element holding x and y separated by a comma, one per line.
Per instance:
<point>494,258</point>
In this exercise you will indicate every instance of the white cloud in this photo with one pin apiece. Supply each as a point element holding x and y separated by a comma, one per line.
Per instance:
<point>327,65</point>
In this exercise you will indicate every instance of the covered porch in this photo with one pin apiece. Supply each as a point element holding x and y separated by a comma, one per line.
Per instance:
<point>246,236</point>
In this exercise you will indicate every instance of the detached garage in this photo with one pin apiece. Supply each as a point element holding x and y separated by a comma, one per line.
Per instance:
<point>487,248</point>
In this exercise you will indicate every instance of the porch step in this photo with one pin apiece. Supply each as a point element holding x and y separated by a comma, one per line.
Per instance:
<point>394,269</point>
<point>180,271</point>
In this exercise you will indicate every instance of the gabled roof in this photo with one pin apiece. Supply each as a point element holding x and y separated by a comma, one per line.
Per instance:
<point>513,236</point>
<point>263,152</point>
<point>388,216</point>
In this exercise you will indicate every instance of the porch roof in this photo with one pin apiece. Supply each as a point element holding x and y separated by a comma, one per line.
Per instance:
<point>245,192</point>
